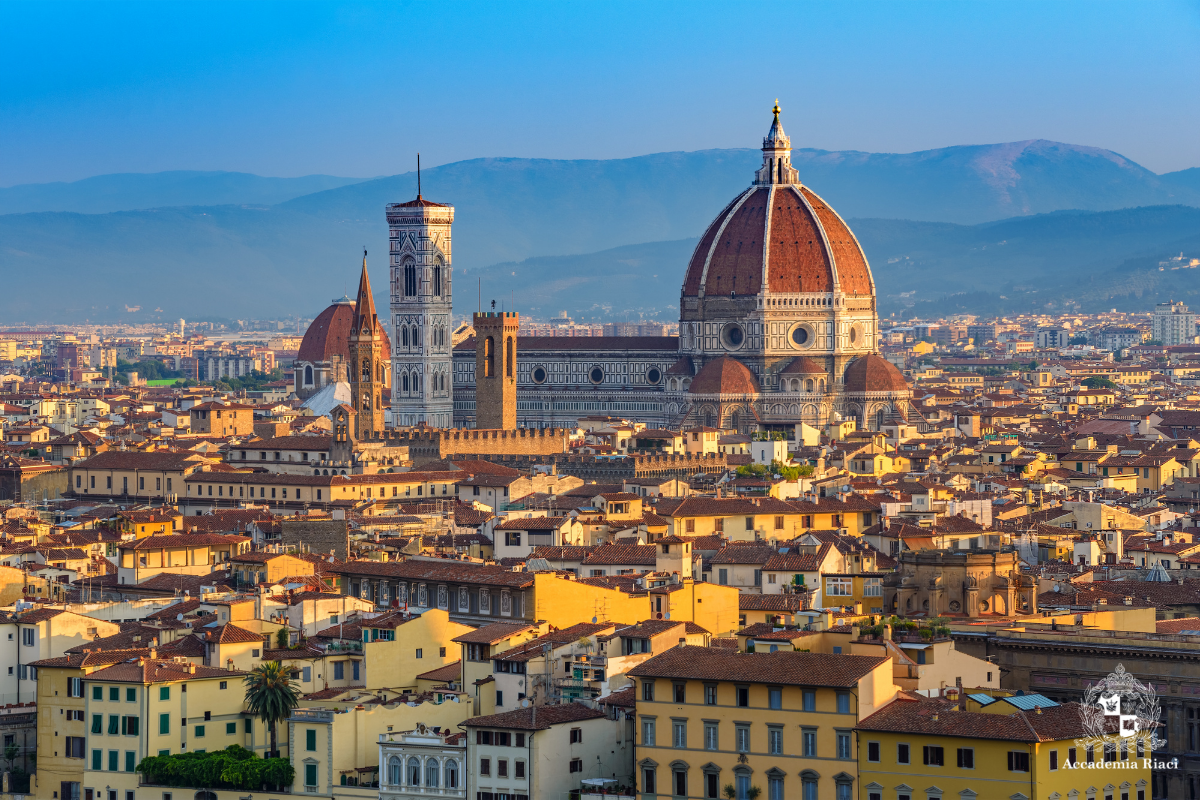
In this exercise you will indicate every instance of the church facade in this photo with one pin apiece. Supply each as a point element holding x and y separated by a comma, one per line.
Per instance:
<point>777,326</point>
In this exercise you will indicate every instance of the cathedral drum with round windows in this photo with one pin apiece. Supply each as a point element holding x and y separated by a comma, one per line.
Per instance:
<point>538,374</point>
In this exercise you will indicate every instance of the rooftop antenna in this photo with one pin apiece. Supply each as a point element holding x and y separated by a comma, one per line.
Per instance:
<point>418,176</point>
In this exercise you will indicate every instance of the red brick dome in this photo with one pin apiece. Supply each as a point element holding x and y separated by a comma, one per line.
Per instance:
<point>803,365</point>
<point>873,373</point>
<point>329,334</point>
<point>808,248</point>
<point>724,375</point>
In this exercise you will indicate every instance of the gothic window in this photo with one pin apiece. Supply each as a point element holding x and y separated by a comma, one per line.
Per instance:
<point>416,384</point>
<point>508,358</point>
<point>489,358</point>
<point>437,280</point>
<point>366,370</point>
<point>809,385</point>
<point>410,279</point>
<point>366,402</point>
<point>404,335</point>
<point>308,376</point>
<point>415,340</point>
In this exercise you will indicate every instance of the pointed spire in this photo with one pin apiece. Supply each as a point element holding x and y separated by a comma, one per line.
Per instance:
<point>365,320</point>
<point>777,155</point>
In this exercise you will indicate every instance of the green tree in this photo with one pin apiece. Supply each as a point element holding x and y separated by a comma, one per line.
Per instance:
<point>281,638</point>
<point>271,696</point>
<point>1097,382</point>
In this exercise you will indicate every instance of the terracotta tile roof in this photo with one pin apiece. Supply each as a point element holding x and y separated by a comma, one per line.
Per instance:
<point>624,698</point>
<point>636,554</point>
<point>532,524</point>
<point>153,671</point>
<point>798,669</point>
<point>765,630</point>
<point>229,634</point>
<point>444,674</point>
<point>79,660</point>
<point>1177,625</point>
<point>533,648</point>
<point>784,603</point>
<point>561,553</point>
<point>730,643</point>
<point>536,718</point>
<point>914,714</point>
<point>490,634</point>
<point>135,637</point>
<point>793,562</point>
<point>171,540</point>
<point>744,554</point>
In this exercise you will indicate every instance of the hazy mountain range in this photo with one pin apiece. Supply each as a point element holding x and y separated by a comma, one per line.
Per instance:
<point>594,238</point>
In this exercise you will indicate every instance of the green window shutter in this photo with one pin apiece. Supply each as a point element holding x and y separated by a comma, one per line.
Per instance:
<point>97,760</point>
<point>97,725</point>
<point>130,764</point>
<point>114,724</point>
<point>124,726</point>
<point>249,725</point>
<point>310,740</point>
<point>114,759</point>
<point>97,692</point>
<point>131,695</point>
<point>199,731</point>
<point>164,723</point>
<point>164,693</point>
<point>231,727</point>
<point>310,774</point>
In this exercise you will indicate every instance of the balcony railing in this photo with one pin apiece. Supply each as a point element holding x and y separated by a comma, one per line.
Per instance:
<point>310,715</point>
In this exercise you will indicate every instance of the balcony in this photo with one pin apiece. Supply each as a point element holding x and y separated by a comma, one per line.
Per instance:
<point>310,715</point>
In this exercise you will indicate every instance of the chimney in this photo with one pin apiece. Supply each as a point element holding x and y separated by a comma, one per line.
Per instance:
<point>153,653</point>
<point>191,668</point>
<point>935,716</point>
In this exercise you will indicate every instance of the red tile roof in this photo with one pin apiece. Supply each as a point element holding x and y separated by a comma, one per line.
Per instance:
<point>799,669</point>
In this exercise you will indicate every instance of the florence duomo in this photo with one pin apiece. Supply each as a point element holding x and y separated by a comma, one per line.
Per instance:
<point>840,447</point>
<point>777,327</point>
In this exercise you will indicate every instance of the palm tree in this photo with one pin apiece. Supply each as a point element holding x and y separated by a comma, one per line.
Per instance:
<point>271,695</point>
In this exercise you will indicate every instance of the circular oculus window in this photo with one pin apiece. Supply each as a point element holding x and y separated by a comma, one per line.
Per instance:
<point>732,336</point>
<point>801,337</point>
<point>596,375</point>
<point>654,375</point>
<point>538,374</point>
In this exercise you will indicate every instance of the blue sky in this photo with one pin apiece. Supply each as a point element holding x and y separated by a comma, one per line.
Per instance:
<point>292,88</point>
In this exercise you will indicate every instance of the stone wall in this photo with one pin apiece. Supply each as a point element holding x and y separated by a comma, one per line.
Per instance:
<point>318,536</point>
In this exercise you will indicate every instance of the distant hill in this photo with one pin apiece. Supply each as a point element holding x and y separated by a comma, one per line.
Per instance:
<point>132,190</point>
<point>934,223</point>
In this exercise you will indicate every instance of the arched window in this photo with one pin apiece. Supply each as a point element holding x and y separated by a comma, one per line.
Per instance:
<point>489,358</point>
<point>508,358</point>
<point>416,383</point>
<point>432,773</point>
<point>451,774</point>
<point>410,278</point>
<point>808,385</point>
<point>437,280</point>
<point>879,419</point>
<point>416,342</point>
<point>414,772</point>
<point>404,335</point>
<point>366,369</point>
<point>395,772</point>
<point>366,401</point>
<point>308,375</point>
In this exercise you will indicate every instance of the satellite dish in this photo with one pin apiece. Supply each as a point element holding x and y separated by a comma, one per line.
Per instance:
<point>593,620</point>
<point>667,615</point>
<point>1057,588</point>
<point>179,617</point>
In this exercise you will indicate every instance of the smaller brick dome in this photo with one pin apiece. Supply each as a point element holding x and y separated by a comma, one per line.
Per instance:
<point>724,375</point>
<point>873,373</point>
<point>803,365</point>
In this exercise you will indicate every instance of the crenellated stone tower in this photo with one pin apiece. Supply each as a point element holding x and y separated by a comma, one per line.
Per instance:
<point>496,369</point>
<point>422,385</point>
<point>368,364</point>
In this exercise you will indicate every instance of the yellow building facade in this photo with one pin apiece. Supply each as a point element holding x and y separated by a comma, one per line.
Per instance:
<point>711,718</point>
